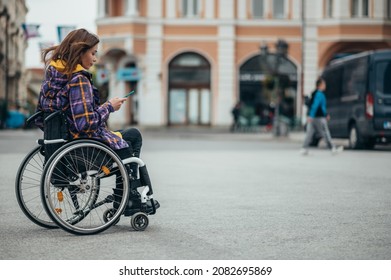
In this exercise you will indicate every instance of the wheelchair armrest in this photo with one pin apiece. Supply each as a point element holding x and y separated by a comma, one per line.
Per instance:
<point>48,142</point>
<point>52,115</point>
<point>133,159</point>
<point>33,117</point>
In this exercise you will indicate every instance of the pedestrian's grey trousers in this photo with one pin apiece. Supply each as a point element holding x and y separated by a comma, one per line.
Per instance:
<point>319,126</point>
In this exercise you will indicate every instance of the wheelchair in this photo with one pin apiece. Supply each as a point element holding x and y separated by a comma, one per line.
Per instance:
<point>81,185</point>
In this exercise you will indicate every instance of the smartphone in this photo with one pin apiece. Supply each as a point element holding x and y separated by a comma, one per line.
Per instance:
<point>129,94</point>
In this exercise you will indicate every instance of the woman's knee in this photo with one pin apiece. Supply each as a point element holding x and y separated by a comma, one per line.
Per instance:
<point>138,134</point>
<point>132,135</point>
<point>138,138</point>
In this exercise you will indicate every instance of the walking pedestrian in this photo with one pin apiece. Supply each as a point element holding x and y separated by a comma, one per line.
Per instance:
<point>236,110</point>
<point>317,120</point>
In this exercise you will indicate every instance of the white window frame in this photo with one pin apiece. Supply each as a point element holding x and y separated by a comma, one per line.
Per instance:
<point>283,15</point>
<point>388,10</point>
<point>359,8</point>
<point>192,11</point>
<point>132,7</point>
<point>254,14</point>
<point>106,8</point>
<point>329,13</point>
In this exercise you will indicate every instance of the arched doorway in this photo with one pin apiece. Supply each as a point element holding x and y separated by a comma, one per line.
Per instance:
<point>189,90</point>
<point>263,85</point>
<point>117,75</point>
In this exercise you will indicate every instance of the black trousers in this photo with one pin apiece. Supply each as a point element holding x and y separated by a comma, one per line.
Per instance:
<point>134,139</point>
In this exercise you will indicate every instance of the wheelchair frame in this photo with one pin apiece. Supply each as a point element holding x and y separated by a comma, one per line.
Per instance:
<point>83,187</point>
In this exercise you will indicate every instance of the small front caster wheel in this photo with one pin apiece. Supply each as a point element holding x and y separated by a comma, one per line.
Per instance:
<point>139,221</point>
<point>108,215</point>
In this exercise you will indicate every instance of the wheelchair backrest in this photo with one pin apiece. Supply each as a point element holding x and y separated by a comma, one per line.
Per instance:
<point>55,127</point>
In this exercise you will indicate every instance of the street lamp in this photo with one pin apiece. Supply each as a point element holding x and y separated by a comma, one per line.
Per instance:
<point>281,48</point>
<point>272,68</point>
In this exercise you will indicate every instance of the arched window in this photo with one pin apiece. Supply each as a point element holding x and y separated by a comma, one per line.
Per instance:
<point>261,92</point>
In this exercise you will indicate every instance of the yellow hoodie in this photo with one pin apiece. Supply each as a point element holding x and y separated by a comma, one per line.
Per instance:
<point>60,66</point>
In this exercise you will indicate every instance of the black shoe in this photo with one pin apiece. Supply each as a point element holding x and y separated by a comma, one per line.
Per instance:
<point>155,203</point>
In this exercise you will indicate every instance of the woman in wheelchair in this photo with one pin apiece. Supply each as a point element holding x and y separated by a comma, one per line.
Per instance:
<point>68,87</point>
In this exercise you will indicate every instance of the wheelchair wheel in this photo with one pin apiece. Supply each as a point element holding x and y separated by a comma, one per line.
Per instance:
<point>108,214</point>
<point>27,189</point>
<point>81,183</point>
<point>139,221</point>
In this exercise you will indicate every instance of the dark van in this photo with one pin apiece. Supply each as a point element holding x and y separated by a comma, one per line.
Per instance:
<point>359,98</point>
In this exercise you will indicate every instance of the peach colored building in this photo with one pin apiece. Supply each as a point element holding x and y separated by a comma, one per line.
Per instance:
<point>190,61</point>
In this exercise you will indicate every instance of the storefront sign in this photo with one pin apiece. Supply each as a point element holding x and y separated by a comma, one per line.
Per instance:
<point>128,74</point>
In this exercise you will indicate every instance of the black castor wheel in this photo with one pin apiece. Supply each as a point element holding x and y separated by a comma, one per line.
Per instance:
<point>139,221</point>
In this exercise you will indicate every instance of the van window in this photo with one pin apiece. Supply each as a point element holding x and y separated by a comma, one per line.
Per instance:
<point>333,78</point>
<point>383,77</point>
<point>355,77</point>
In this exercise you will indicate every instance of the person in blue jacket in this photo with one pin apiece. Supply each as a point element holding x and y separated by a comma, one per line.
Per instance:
<point>317,119</point>
<point>15,118</point>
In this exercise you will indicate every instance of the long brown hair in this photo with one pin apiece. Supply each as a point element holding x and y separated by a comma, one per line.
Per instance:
<point>76,43</point>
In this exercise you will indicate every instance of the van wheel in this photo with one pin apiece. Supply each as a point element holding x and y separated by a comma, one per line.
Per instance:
<point>370,144</point>
<point>355,140</point>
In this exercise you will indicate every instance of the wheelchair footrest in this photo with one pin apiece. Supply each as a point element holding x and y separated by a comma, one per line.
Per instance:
<point>134,207</point>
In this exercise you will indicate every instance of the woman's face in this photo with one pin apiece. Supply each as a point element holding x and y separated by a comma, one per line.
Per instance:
<point>89,57</point>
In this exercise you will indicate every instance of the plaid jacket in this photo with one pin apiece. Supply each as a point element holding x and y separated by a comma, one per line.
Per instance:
<point>80,102</point>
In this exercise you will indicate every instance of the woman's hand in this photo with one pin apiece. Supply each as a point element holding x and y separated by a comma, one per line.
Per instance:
<point>117,102</point>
